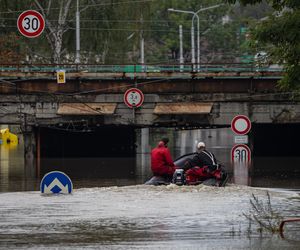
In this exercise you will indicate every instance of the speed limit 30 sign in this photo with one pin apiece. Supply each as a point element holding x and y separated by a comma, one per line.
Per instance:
<point>241,153</point>
<point>31,23</point>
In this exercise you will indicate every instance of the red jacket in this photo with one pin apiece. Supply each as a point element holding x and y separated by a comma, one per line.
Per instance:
<point>161,160</point>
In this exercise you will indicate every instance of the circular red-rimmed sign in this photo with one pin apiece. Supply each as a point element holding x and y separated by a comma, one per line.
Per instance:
<point>241,153</point>
<point>241,124</point>
<point>31,23</point>
<point>133,97</point>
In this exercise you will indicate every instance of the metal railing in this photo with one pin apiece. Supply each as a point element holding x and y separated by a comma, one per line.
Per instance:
<point>138,68</point>
<point>289,220</point>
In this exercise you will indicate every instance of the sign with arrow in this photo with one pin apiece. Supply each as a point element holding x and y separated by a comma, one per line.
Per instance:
<point>56,182</point>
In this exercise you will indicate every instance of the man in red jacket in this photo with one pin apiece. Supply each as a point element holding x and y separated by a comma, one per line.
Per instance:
<point>161,160</point>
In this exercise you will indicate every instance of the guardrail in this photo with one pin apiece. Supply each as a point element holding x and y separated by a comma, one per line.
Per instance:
<point>289,220</point>
<point>139,68</point>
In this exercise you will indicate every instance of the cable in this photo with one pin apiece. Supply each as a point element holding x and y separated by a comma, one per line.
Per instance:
<point>85,7</point>
<point>166,21</point>
<point>112,29</point>
<point>136,30</point>
<point>159,80</point>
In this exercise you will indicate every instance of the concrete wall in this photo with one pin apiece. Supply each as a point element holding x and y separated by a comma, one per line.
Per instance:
<point>36,102</point>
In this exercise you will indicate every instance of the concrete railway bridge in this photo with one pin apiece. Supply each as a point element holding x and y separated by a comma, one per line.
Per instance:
<point>183,97</point>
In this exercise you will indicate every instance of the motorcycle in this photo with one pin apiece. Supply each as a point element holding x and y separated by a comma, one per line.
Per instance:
<point>216,176</point>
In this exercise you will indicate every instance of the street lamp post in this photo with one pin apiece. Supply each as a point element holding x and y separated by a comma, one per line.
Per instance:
<point>192,32</point>
<point>77,57</point>
<point>195,14</point>
<point>181,61</point>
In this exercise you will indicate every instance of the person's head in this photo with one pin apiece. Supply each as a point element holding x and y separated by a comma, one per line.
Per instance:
<point>200,146</point>
<point>165,140</point>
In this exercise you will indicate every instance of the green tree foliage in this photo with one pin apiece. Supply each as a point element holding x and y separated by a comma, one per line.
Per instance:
<point>280,34</point>
<point>10,48</point>
<point>111,30</point>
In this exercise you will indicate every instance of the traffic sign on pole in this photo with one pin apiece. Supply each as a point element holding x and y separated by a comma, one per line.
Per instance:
<point>241,153</point>
<point>241,124</point>
<point>31,23</point>
<point>133,98</point>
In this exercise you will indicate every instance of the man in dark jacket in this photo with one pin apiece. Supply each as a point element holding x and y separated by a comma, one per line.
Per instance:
<point>161,160</point>
<point>202,158</point>
<point>203,166</point>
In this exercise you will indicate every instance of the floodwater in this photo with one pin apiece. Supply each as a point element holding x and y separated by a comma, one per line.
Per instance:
<point>15,175</point>
<point>142,217</point>
<point>120,213</point>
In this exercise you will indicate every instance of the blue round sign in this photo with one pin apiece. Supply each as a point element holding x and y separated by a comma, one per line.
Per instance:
<point>56,182</point>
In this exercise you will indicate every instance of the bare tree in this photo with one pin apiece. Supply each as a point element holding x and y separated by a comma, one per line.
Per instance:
<point>55,29</point>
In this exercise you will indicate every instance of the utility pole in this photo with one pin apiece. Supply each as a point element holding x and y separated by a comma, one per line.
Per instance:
<point>142,59</point>
<point>193,46</point>
<point>142,51</point>
<point>77,58</point>
<point>180,48</point>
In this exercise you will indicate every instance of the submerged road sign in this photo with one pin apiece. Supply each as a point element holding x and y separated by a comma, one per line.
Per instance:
<point>241,124</point>
<point>31,23</point>
<point>241,153</point>
<point>133,98</point>
<point>56,182</point>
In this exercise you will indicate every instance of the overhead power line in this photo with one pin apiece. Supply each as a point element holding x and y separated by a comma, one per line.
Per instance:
<point>113,21</point>
<point>87,6</point>
<point>111,29</point>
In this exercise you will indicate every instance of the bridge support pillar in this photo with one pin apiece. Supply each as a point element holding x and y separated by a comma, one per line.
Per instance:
<point>30,151</point>
<point>143,153</point>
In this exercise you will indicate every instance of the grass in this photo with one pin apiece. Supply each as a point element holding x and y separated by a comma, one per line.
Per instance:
<point>263,215</point>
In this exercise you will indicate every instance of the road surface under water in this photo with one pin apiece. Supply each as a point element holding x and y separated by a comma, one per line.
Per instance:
<point>119,213</point>
<point>143,217</point>
<point>274,172</point>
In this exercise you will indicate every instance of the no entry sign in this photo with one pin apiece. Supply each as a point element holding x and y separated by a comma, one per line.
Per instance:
<point>31,23</point>
<point>241,124</point>
<point>241,153</point>
<point>133,97</point>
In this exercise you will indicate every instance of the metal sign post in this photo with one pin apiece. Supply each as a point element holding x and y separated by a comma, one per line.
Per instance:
<point>240,152</point>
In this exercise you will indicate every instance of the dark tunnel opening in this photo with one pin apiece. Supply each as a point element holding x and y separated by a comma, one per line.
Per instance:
<point>275,151</point>
<point>106,152</point>
<point>276,140</point>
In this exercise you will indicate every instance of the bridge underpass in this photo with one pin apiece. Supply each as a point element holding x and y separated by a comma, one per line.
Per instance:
<point>106,152</point>
<point>275,153</point>
<point>123,152</point>
<point>93,103</point>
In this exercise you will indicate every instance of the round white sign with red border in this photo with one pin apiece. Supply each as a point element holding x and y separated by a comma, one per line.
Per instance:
<point>241,124</point>
<point>133,98</point>
<point>31,23</point>
<point>241,153</point>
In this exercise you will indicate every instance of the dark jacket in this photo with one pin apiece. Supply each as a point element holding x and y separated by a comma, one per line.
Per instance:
<point>161,160</point>
<point>201,159</point>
